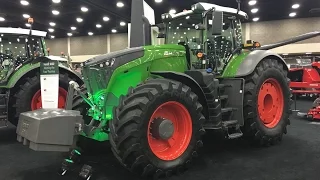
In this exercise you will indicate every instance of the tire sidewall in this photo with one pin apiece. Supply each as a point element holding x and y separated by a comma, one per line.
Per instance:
<point>152,106</point>
<point>277,75</point>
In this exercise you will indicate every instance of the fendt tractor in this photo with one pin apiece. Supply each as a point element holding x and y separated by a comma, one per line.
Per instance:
<point>21,53</point>
<point>153,103</point>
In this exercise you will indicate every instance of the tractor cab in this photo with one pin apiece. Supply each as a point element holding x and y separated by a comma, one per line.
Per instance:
<point>211,34</point>
<point>16,48</point>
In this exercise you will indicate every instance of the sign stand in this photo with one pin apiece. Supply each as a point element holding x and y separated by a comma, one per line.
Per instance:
<point>49,79</point>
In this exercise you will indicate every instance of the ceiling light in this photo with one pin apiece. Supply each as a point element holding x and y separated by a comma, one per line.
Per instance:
<point>69,34</point>
<point>25,3</point>
<point>292,14</point>
<point>52,37</point>
<point>51,30</point>
<point>120,4</point>
<point>255,10</point>
<point>188,17</point>
<point>172,11</point>
<point>79,20</point>
<point>113,30</point>
<point>56,1</point>
<point>26,15</point>
<point>158,1</point>
<point>28,25</point>
<point>2,19</point>
<point>122,23</point>
<point>295,6</point>
<point>90,33</point>
<point>285,54</point>
<point>98,25</point>
<point>84,9</point>
<point>308,53</point>
<point>55,12</point>
<point>52,24</point>
<point>106,18</point>
<point>73,28</point>
<point>256,19</point>
<point>251,3</point>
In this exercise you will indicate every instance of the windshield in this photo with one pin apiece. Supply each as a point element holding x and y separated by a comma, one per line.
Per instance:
<point>183,29</point>
<point>220,48</point>
<point>18,48</point>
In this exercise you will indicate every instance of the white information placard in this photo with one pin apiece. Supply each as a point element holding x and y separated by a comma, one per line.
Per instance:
<point>49,80</point>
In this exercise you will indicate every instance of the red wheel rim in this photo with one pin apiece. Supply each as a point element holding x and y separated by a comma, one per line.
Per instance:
<point>36,102</point>
<point>270,103</point>
<point>176,145</point>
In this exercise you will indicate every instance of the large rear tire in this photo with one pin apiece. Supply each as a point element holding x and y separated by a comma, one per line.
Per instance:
<point>267,103</point>
<point>137,131</point>
<point>28,96</point>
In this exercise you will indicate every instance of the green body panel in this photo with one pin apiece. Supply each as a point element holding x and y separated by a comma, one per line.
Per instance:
<point>156,58</point>
<point>24,69</point>
<point>232,67</point>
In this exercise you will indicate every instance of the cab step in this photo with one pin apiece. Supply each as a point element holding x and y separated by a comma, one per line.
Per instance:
<point>224,97</point>
<point>226,110</point>
<point>235,135</point>
<point>230,123</point>
<point>3,110</point>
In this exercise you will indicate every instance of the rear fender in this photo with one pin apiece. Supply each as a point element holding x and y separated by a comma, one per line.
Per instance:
<point>34,68</point>
<point>249,64</point>
<point>189,81</point>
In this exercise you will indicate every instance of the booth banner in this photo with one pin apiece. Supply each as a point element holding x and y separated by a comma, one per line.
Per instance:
<point>49,79</point>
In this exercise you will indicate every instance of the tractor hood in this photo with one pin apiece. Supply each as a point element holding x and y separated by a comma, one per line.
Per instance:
<point>116,59</point>
<point>119,58</point>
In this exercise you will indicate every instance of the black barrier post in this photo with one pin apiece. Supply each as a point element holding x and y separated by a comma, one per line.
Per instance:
<point>295,103</point>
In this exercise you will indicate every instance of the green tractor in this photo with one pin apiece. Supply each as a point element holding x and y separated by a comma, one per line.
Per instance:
<point>153,103</point>
<point>21,53</point>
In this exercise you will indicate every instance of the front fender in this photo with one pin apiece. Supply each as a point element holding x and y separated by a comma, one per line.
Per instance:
<point>248,65</point>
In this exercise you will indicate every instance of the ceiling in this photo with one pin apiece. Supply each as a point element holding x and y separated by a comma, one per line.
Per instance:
<point>11,13</point>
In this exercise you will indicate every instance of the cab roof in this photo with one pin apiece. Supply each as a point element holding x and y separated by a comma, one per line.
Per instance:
<point>207,6</point>
<point>20,31</point>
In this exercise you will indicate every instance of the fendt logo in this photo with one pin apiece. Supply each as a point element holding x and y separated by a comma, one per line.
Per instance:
<point>167,53</point>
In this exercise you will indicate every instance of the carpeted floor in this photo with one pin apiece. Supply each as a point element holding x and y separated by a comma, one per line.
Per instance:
<point>297,157</point>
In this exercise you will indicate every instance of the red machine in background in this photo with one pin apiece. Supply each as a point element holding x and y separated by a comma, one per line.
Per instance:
<point>314,113</point>
<point>305,79</point>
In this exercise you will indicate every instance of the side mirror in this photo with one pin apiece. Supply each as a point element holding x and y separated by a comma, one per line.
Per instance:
<point>161,26</point>
<point>217,23</point>
<point>161,35</point>
<point>200,27</point>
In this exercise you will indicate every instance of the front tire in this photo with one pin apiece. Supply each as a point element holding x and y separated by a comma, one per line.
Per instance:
<point>267,103</point>
<point>136,133</point>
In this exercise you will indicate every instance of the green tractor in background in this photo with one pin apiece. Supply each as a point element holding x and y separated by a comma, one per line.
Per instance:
<point>153,103</point>
<point>21,53</point>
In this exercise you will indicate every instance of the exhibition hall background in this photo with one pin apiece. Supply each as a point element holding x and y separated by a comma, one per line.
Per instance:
<point>82,48</point>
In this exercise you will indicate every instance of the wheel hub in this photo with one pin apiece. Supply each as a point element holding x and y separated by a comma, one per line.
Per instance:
<point>162,128</point>
<point>270,103</point>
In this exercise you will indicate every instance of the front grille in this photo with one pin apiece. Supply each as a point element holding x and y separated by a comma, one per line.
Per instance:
<point>96,78</point>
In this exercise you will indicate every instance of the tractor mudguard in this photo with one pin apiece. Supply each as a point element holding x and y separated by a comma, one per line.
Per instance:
<point>187,80</point>
<point>248,65</point>
<point>31,67</point>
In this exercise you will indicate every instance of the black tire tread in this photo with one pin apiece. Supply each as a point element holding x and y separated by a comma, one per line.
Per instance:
<point>124,129</point>
<point>251,130</point>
